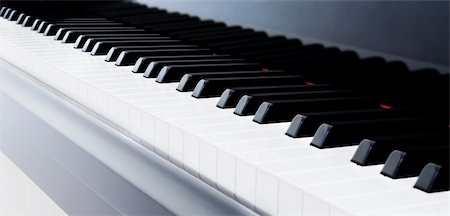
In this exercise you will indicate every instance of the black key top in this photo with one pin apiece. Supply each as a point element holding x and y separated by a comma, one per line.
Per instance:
<point>143,62</point>
<point>115,52</point>
<point>334,134</point>
<point>36,24</point>
<point>205,31</point>
<point>231,36</point>
<point>376,150</point>
<point>285,110</point>
<point>248,42</point>
<point>194,25</point>
<point>28,21</point>
<point>90,43</point>
<point>81,40</point>
<point>402,164</point>
<point>174,73</point>
<point>189,81</point>
<point>13,15</point>
<point>21,18</point>
<point>434,178</point>
<point>129,57</point>
<point>156,66</point>
<point>102,48</point>
<point>248,104</point>
<point>213,87</point>
<point>230,97</point>
<point>7,12</point>
<point>2,11</point>
<point>51,29</point>
<point>71,32</point>
<point>148,24</point>
<point>305,124</point>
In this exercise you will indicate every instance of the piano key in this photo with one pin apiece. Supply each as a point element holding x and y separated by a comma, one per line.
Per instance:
<point>401,164</point>
<point>189,81</point>
<point>51,29</point>
<point>115,52</point>
<point>376,150</point>
<point>213,87</point>
<point>129,57</point>
<point>206,31</point>
<point>231,36</point>
<point>143,62</point>
<point>194,25</point>
<point>102,48</point>
<point>21,18</point>
<point>90,43</point>
<point>7,12</point>
<point>156,66</point>
<point>148,24</point>
<point>13,15</point>
<point>285,110</point>
<point>3,11</point>
<point>433,178</point>
<point>174,73</point>
<point>81,40</point>
<point>36,24</point>
<point>28,21</point>
<point>70,34</point>
<point>305,124</point>
<point>348,133</point>
<point>230,97</point>
<point>248,104</point>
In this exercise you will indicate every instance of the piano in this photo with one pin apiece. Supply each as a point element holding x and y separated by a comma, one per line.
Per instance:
<point>118,107</point>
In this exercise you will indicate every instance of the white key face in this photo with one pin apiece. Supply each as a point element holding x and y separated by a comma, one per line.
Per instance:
<point>257,164</point>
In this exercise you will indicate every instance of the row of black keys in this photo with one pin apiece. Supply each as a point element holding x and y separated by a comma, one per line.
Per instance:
<point>337,106</point>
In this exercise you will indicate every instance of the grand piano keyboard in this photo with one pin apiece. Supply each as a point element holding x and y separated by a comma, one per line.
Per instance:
<point>283,127</point>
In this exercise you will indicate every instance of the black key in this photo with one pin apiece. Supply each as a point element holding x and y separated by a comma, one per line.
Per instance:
<point>248,104</point>
<point>334,134</point>
<point>71,32</point>
<point>305,124</point>
<point>231,36</point>
<point>143,62</point>
<point>402,164</point>
<point>156,66</point>
<point>189,81</point>
<point>243,45</point>
<point>90,43</point>
<point>2,11</point>
<point>213,87</point>
<point>230,97</point>
<point>248,42</point>
<point>102,48</point>
<point>115,52</point>
<point>205,31</point>
<point>7,12</point>
<point>149,24</point>
<point>28,21</point>
<point>13,15</point>
<point>36,24</point>
<point>21,18</point>
<point>174,73</point>
<point>193,25</point>
<point>376,150</point>
<point>81,40</point>
<point>434,178</point>
<point>285,110</point>
<point>129,57</point>
<point>51,29</point>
